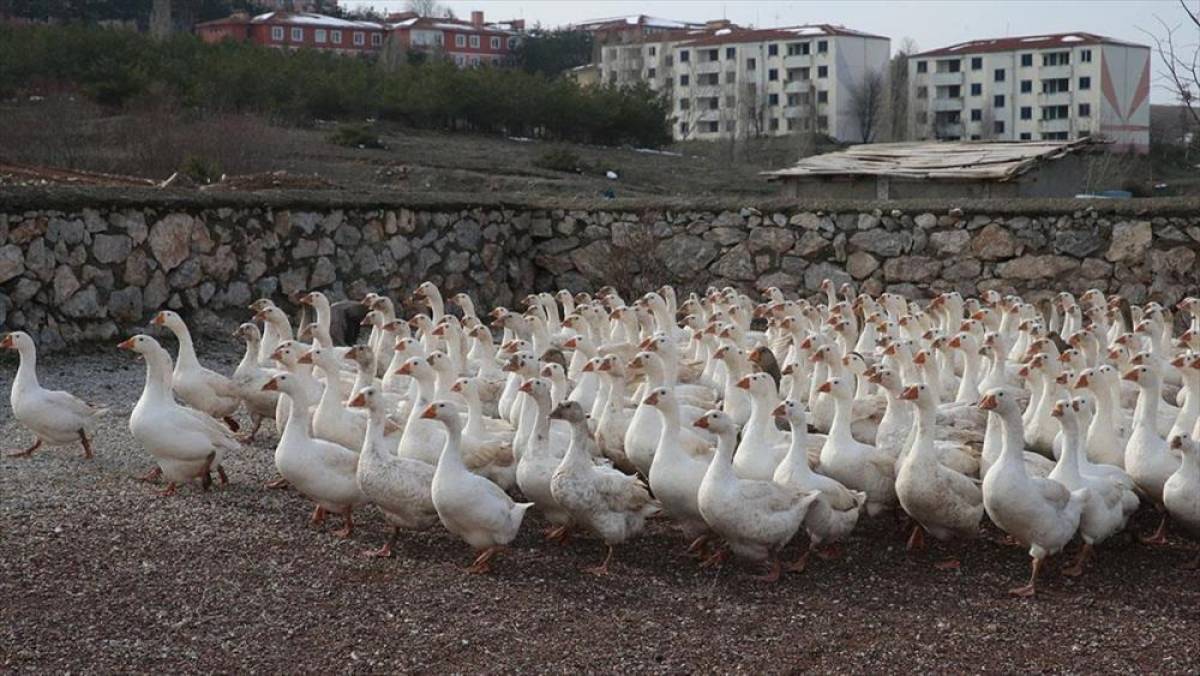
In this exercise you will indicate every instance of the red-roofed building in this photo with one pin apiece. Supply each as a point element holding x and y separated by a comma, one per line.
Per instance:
<point>1049,87</point>
<point>466,43</point>
<point>294,30</point>
<point>726,81</point>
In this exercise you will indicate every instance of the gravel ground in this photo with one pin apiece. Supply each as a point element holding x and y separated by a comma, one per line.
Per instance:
<point>98,574</point>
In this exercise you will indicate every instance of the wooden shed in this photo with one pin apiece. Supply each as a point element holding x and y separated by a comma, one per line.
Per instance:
<point>984,169</point>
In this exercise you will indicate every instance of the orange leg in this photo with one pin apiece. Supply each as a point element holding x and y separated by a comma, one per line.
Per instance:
<point>384,552</point>
<point>601,569</point>
<point>168,491</point>
<point>318,516</point>
<point>720,556</point>
<point>151,476</point>
<point>483,562</point>
<point>916,541</point>
<point>801,563</point>
<point>1029,589</point>
<point>221,474</point>
<point>1160,535</point>
<point>561,535</point>
<point>948,564</point>
<point>348,524</point>
<point>1076,568</point>
<point>27,452</point>
<point>87,446</point>
<point>773,570</point>
<point>277,483</point>
<point>248,438</point>
<point>830,552</point>
<point>699,546</point>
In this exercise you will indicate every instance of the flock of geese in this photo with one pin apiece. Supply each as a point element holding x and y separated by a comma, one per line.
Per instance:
<point>741,422</point>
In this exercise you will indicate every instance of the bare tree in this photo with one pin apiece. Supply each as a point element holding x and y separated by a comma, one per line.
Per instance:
<point>896,126</point>
<point>867,100</point>
<point>428,8</point>
<point>1180,57</point>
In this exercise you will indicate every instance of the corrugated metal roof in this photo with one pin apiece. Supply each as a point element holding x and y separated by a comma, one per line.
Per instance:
<point>740,35</point>
<point>942,160</point>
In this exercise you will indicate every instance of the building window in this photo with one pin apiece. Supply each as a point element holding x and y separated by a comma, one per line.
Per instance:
<point>683,56</point>
<point>376,39</point>
<point>1026,112</point>
<point>475,60</point>
<point>1056,85</point>
<point>773,74</point>
<point>496,44</point>
<point>1027,60</point>
<point>1056,59</point>
<point>949,66</point>
<point>297,35</point>
<point>1085,83</point>
<point>976,89</point>
<point>320,35</point>
<point>337,37</point>
<point>1055,112</point>
<point>793,100</point>
<point>714,103</point>
<point>998,101</point>
<point>822,71</point>
<point>1085,110</point>
<point>683,80</point>
<point>798,49</point>
<point>976,114</point>
<point>772,99</point>
<point>685,104</point>
<point>751,64</point>
<point>474,42</point>
<point>977,63</point>
<point>683,128</point>
<point>1026,136</point>
<point>653,50</point>
<point>773,124</point>
<point>922,92</point>
<point>797,74</point>
<point>999,75</point>
<point>277,33</point>
<point>731,125</point>
<point>1026,86</point>
<point>822,122</point>
<point>922,67</point>
<point>822,46</point>
<point>1085,56</point>
<point>772,50</point>
<point>652,73</point>
<point>822,96</point>
<point>461,41</point>
<point>710,55</point>
<point>730,77</point>
<point>360,39</point>
<point>713,127</point>
<point>998,126</point>
<point>731,52</point>
<point>730,101</point>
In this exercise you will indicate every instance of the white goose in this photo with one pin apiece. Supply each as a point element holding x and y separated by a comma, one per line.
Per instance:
<point>856,465</point>
<point>1148,459</point>
<point>1181,493</point>
<point>202,389</point>
<point>186,443</point>
<point>250,376</point>
<point>55,417</point>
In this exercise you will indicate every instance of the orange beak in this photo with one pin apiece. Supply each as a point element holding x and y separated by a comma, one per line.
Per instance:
<point>271,386</point>
<point>126,344</point>
<point>1178,362</point>
<point>826,387</point>
<point>1081,381</point>
<point>429,412</point>
<point>919,360</point>
<point>702,423</point>
<point>306,299</point>
<point>571,343</point>
<point>365,322</point>
<point>1023,372</point>
<point>779,411</point>
<point>439,330</point>
<point>260,316</point>
<point>645,344</point>
<point>1176,442</point>
<point>306,358</point>
<point>526,387</point>
<point>606,366</point>
<point>988,403</point>
<point>404,370</point>
<point>1057,412</point>
<point>744,383</point>
<point>587,368</point>
<point>159,319</point>
<point>359,401</point>
<point>909,393</point>
<point>456,387</point>
<point>651,400</point>
<point>1131,376</point>
<point>788,370</point>
<point>955,342</point>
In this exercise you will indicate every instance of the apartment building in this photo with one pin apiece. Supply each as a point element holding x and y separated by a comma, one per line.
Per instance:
<point>1040,87</point>
<point>466,43</point>
<point>730,82</point>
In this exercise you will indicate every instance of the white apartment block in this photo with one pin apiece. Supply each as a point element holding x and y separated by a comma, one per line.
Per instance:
<point>728,82</point>
<point>1042,87</point>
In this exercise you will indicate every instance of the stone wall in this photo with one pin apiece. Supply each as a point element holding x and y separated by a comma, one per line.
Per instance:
<point>91,266</point>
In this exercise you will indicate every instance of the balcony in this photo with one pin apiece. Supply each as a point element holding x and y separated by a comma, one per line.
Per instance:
<point>947,103</point>
<point>1054,99</point>
<point>1060,124</point>
<point>708,66</point>
<point>1048,72</point>
<point>947,78</point>
<point>797,86</point>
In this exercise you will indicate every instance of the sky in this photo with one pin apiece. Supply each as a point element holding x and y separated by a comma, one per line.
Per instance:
<point>931,23</point>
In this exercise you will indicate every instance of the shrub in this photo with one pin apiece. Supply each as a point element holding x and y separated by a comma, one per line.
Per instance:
<point>201,169</point>
<point>355,136</point>
<point>560,159</point>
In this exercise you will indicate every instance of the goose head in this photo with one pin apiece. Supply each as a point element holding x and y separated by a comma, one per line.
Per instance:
<point>417,367</point>
<point>140,344</point>
<point>19,340</point>
<point>283,382</point>
<point>839,388</point>
<point>248,332</point>
<point>445,412</point>
<point>261,304</point>
<point>287,353</point>
<point>793,412</point>
<point>316,300</point>
<point>921,395</point>
<point>759,385</point>
<point>717,422</point>
<point>570,411</point>
<point>1002,400</point>
<point>538,388</point>
<point>170,320</point>
<point>522,363</point>
<point>1184,443</point>
<point>360,355</point>
<point>370,399</point>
